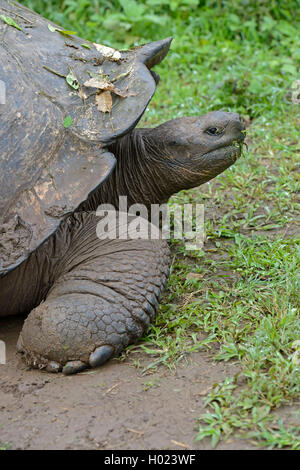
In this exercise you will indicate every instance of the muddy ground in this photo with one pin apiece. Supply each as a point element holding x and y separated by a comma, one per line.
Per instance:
<point>113,407</point>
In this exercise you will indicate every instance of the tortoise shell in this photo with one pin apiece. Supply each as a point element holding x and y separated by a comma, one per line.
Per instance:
<point>62,101</point>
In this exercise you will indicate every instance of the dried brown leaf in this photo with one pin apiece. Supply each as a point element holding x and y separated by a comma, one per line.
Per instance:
<point>194,276</point>
<point>122,93</point>
<point>106,85</point>
<point>108,52</point>
<point>104,101</point>
<point>81,94</point>
<point>96,82</point>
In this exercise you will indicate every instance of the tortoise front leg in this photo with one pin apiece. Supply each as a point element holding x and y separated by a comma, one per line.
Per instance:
<point>103,299</point>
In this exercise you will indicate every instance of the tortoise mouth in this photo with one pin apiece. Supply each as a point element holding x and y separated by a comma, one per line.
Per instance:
<point>228,153</point>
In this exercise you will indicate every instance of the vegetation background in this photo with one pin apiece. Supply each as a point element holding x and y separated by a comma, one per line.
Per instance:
<point>242,291</point>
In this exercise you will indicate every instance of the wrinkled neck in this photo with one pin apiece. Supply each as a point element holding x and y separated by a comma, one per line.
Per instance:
<point>144,172</point>
<point>140,172</point>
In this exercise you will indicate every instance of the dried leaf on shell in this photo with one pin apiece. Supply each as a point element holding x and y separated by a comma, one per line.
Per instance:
<point>104,101</point>
<point>105,85</point>
<point>96,82</point>
<point>81,94</point>
<point>108,52</point>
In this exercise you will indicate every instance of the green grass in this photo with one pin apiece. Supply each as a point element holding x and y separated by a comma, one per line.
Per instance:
<point>4,446</point>
<point>242,57</point>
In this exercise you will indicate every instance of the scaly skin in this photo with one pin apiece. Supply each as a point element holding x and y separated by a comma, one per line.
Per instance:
<point>100,295</point>
<point>103,299</point>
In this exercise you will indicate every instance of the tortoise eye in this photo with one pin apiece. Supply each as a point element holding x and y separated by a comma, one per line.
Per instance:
<point>214,130</point>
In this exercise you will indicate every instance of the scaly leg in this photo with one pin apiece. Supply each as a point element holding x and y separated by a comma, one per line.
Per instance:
<point>104,297</point>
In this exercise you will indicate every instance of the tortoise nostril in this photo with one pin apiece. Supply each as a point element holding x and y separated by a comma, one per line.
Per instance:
<point>237,129</point>
<point>243,122</point>
<point>240,124</point>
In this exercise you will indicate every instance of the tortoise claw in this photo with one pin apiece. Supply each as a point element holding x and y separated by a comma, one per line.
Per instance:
<point>73,367</point>
<point>97,358</point>
<point>53,367</point>
<point>101,355</point>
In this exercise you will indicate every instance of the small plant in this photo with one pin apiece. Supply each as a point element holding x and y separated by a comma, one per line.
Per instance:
<point>4,446</point>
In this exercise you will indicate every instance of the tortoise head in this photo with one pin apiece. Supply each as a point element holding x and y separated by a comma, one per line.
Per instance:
<point>153,164</point>
<point>196,149</point>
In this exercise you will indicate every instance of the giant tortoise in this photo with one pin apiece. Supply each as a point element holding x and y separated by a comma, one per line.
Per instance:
<point>69,142</point>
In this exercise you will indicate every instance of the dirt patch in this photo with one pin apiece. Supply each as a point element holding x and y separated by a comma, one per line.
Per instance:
<point>113,407</point>
<point>15,236</point>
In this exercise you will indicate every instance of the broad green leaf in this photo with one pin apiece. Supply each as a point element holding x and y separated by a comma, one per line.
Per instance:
<point>71,79</point>
<point>64,32</point>
<point>287,29</point>
<point>68,121</point>
<point>133,9</point>
<point>8,20</point>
